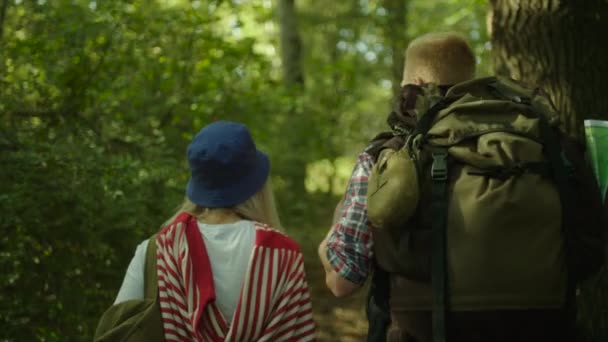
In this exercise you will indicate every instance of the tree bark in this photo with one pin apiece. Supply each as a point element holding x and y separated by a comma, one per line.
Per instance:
<point>291,44</point>
<point>395,34</point>
<point>292,152</point>
<point>3,8</point>
<point>558,45</point>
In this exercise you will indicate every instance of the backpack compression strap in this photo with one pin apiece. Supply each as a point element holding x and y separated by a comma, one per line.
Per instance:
<point>377,306</point>
<point>439,212</point>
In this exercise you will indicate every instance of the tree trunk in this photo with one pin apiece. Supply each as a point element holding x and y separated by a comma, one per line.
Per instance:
<point>395,35</point>
<point>291,44</point>
<point>292,152</point>
<point>558,45</point>
<point>3,7</point>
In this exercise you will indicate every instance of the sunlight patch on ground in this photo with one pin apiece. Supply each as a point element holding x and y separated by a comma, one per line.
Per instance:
<point>342,324</point>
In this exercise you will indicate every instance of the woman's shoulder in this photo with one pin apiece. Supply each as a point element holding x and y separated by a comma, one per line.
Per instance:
<point>268,236</point>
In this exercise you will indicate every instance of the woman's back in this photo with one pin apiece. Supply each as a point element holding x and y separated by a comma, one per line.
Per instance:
<point>229,247</point>
<point>274,301</point>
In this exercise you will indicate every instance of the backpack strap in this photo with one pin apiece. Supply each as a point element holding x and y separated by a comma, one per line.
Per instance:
<point>542,169</point>
<point>439,210</point>
<point>379,294</point>
<point>426,121</point>
<point>561,171</point>
<point>377,306</point>
<point>378,143</point>
<point>150,277</point>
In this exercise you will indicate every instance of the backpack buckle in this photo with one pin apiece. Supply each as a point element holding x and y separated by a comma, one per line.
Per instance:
<point>439,168</point>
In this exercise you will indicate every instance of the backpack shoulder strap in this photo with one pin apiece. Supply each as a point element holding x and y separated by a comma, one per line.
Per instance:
<point>561,169</point>
<point>150,277</point>
<point>439,208</point>
<point>377,143</point>
<point>377,306</point>
<point>385,140</point>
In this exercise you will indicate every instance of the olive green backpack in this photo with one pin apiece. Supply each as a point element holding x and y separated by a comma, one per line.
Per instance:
<point>484,194</point>
<point>137,320</point>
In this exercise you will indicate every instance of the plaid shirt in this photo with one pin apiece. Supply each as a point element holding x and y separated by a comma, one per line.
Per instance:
<point>349,246</point>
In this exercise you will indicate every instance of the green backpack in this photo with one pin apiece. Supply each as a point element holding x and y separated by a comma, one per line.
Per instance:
<point>136,320</point>
<point>491,171</point>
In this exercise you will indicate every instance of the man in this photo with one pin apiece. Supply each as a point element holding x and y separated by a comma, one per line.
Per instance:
<point>347,251</point>
<point>508,278</point>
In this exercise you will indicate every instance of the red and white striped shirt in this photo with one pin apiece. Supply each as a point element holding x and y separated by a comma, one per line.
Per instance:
<point>274,304</point>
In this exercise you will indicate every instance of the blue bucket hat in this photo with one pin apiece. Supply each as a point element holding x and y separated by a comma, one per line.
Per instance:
<point>226,168</point>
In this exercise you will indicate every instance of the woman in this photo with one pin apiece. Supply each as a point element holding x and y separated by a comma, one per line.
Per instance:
<point>224,274</point>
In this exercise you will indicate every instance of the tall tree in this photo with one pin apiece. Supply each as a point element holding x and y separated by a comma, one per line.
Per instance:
<point>395,33</point>
<point>3,7</point>
<point>559,46</point>
<point>292,154</point>
<point>291,44</point>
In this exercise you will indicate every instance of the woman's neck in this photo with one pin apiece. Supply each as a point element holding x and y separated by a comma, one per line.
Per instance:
<point>219,216</point>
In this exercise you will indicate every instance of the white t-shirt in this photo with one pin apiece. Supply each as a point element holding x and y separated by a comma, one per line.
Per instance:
<point>229,247</point>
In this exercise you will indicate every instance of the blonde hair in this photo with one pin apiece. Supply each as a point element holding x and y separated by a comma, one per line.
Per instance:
<point>260,207</point>
<point>443,58</point>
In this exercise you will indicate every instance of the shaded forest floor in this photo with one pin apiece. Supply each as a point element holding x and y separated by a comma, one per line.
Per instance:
<point>338,319</point>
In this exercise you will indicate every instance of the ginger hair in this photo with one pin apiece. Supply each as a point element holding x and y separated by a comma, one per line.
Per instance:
<point>443,58</point>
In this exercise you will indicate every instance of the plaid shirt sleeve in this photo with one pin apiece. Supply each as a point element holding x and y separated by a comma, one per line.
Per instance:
<point>349,246</point>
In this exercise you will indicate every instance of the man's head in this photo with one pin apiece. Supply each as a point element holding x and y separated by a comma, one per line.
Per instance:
<point>443,58</point>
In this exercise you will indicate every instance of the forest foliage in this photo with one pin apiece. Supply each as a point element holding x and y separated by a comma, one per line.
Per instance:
<point>99,99</point>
